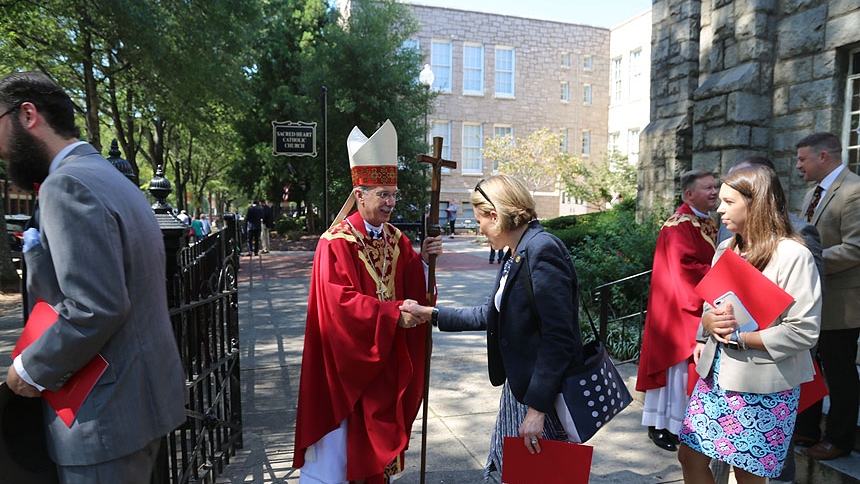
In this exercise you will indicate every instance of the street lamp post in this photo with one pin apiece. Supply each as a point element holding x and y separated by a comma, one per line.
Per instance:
<point>426,79</point>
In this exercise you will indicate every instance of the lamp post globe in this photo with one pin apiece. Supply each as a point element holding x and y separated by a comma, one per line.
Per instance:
<point>426,76</point>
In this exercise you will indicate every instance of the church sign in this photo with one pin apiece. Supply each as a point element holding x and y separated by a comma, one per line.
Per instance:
<point>294,139</point>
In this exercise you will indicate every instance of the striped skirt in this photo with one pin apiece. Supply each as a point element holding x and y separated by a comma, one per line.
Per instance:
<point>508,421</point>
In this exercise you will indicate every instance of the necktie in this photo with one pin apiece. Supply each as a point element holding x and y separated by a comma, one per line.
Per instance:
<point>816,197</point>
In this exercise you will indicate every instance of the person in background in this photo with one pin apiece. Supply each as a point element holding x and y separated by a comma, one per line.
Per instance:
<point>207,225</point>
<point>451,212</point>
<point>496,255</point>
<point>833,206</point>
<point>531,342</point>
<point>183,217</point>
<point>254,226</point>
<point>744,405</point>
<point>685,247</point>
<point>94,253</point>
<point>268,225</point>
<point>362,375</point>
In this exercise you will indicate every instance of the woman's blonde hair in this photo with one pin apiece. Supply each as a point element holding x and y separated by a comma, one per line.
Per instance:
<point>767,213</point>
<point>509,197</point>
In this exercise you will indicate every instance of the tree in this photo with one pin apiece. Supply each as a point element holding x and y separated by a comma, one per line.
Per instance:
<point>538,159</point>
<point>602,182</point>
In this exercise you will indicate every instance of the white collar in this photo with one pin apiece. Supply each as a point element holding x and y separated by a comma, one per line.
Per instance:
<point>62,154</point>
<point>831,177</point>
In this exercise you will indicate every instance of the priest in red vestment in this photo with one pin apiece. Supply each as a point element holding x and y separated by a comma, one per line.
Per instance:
<point>363,361</point>
<point>685,248</point>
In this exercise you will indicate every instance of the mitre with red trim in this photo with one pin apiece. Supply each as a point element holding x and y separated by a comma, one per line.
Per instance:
<point>373,161</point>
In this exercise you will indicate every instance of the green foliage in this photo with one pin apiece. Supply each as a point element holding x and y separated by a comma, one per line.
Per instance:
<point>601,181</point>
<point>536,159</point>
<point>291,227</point>
<point>609,246</point>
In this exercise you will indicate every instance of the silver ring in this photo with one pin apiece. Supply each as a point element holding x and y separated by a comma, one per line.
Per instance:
<point>534,441</point>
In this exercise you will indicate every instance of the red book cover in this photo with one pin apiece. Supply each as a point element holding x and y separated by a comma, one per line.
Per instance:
<point>557,463</point>
<point>67,400</point>
<point>764,300</point>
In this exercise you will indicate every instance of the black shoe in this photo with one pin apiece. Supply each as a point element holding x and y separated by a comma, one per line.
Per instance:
<point>663,438</point>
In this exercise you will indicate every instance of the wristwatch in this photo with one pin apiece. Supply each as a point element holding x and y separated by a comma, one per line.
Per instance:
<point>434,317</point>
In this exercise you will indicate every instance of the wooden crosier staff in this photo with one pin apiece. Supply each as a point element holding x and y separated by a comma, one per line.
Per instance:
<point>432,230</point>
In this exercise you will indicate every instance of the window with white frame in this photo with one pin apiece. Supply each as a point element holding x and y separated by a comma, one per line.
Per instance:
<point>473,143</point>
<point>505,62</point>
<point>565,59</point>
<point>587,62</point>
<point>633,146</point>
<point>613,142</point>
<point>501,131</point>
<point>443,130</point>
<point>636,84</point>
<point>440,62</point>
<point>586,94</point>
<point>473,69</point>
<point>616,80</point>
<point>563,144</point>
<point>565,92</point>
<point>586,143</point>
<point>851,135</point>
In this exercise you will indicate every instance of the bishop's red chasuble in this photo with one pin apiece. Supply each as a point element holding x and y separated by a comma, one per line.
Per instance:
<point>685,248</point>
<point>358,364</point>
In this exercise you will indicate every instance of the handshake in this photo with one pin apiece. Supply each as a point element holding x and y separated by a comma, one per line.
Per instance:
<point>412,314</point>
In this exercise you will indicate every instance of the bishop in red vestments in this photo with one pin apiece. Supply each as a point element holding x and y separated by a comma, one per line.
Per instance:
<point>685,248</point>
<point>363,361</point>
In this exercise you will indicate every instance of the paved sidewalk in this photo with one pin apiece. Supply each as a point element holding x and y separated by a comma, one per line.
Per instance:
<point>273,300</point>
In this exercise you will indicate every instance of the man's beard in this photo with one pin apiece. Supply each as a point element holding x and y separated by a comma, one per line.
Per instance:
<point>27,160</point>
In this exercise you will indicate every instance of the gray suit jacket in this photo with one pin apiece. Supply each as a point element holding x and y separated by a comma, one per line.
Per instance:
<point>101,265</point>
<point>837,218</point>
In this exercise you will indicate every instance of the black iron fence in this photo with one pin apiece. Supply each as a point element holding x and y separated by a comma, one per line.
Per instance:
<point>622,305</point>
<point>203,300</point>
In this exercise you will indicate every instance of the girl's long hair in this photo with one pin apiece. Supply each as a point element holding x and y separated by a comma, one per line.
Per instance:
<point>767,214</point>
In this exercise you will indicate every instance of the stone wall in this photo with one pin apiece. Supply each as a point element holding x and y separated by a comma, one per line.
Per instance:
<point>732,78</point>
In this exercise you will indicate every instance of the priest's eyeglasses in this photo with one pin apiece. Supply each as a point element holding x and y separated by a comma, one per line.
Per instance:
<point>479,190</point>
<point>385,196</point>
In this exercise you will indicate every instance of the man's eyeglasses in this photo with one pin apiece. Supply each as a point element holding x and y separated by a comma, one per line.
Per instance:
<point>397,195</point>
<point>478,189</point>
<point>10,111</point>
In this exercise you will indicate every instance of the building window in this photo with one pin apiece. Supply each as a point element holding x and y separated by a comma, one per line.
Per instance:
<point>851,138</point>
<point>440,62</point>
<point>565,59</point>
<point>563,140</point>
<point>587,62</point>
<point>613,142</point>
<point>410,44</point>
<point>443,130</point>
<point>501,131</point>
<point>586,143</point>
<point>586,94</point>
<point>565,92</point>
<point>616,80</point>
<point>633,146</point>
<point>473,69</point>
<point>504,72</point>
<point>636,84</point>
<point>473,143</point>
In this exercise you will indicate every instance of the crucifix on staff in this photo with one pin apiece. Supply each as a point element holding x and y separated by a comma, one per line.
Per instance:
<point>432,230</point>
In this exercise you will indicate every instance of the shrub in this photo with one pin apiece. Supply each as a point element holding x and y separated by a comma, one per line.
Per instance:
<point>290,227</point>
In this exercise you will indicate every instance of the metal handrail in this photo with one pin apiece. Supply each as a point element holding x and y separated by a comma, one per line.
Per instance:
<point>602,294</point>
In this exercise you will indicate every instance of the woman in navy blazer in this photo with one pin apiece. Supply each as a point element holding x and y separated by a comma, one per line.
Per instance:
<point>531,344</point>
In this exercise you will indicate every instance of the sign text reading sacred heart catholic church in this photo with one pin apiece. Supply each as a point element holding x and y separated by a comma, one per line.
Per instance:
<point>294,139</point>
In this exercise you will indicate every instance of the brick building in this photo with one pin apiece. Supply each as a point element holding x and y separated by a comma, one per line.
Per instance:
<point>747,77</point>
<point>498,75</point>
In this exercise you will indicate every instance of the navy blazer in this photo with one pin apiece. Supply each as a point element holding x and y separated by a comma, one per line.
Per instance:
<point>532,345</point>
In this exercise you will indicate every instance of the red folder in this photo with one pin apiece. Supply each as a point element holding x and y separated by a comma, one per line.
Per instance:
<point>764,300</point>
<point>812,391</point>
<point>557,463</point>
<point>67,400</point>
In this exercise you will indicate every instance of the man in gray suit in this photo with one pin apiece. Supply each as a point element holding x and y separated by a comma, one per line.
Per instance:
<point>833,206</point>
<point>97,257</point>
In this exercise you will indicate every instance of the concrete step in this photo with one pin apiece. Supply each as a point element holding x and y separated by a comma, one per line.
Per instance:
<point>845,470</point>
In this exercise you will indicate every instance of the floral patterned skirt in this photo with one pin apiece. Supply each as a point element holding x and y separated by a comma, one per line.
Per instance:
<point>751,431</point>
